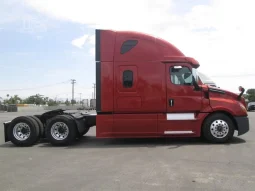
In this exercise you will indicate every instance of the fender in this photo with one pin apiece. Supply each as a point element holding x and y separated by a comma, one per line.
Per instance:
<point>223,109</point>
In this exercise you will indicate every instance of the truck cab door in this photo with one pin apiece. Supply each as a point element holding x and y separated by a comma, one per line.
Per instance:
<point>184,101</point>
<point>182,97</point>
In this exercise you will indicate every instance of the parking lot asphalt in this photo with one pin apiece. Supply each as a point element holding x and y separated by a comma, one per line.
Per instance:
<point>129,164</point>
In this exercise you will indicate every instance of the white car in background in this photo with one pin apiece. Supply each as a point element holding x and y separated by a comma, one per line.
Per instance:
<point>251,106</point>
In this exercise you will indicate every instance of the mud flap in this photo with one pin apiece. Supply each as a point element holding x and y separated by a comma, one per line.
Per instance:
<point>6,125</point>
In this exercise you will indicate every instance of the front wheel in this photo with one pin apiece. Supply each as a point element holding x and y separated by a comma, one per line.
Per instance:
<point>218,128</point>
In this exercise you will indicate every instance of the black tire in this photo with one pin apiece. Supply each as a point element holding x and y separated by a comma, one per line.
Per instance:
<point>69,117</point>
<point>40,124</point>
<point>218,120</point>
<point>70,125</point>
<point>78,134</point>
<point>34,131</point>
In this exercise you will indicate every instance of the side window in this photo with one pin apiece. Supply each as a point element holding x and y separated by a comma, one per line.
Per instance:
<point>127,79</point>
<point>127,46</point>
<point>181,75</point>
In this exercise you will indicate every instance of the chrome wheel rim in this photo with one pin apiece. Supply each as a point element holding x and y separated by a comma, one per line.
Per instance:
<point>21,131</point>
<point>219,128</point>
<point>59,131</point>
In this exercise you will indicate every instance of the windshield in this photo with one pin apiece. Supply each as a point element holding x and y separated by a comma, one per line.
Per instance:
<point>195,74</point>
<point>205,79</point>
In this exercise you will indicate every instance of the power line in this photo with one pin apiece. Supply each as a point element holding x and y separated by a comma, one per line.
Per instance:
<point>35,87</point>
<point>83,87</point>
<point>235,75</point>
<point>64,93</point>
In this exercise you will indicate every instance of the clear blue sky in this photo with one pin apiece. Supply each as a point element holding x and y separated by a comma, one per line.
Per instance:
<point>47,42</point>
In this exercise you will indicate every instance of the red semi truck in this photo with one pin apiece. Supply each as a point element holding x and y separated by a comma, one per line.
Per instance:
<point>146,87</point>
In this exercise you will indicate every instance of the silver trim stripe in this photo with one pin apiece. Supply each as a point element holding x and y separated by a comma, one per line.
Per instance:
<point>178,132</point>
<point>180,116</point>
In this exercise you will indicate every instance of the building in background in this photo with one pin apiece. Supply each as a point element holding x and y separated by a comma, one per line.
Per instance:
<point>85,103</point>
<point>93,103</point>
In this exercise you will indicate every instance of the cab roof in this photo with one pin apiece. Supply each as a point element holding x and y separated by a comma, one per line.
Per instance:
<point>132,46</point>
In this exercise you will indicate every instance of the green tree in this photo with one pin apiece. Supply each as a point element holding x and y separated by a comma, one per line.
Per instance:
<point>6,101</point>
<point>35,99</point>
<point>73,101</point>
<point>67,102</point>
<point>46,99</point>
<point>14,100</point>
<point>250,94</point>
<point>52,102</point>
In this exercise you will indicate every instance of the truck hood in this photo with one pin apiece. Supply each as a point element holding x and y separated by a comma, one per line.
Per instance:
<point>231,99</point>
<point>223,93</point>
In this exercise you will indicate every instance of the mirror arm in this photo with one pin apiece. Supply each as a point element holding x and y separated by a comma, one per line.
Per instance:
<point>240,95</point>
<point>197,88</point>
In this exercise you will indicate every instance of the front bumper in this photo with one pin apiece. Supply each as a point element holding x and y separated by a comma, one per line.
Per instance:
<point>243,125</point>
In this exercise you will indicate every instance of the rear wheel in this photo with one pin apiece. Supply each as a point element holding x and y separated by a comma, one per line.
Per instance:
<point>61,130</point>
<point>23,131</point>
<point>40,124</point>
<point>79,134</point>
<point>218,128</point>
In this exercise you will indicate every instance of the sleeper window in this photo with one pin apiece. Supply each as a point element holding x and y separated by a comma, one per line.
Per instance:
<point>127,79</point>
<point>127,46</point>
<point>181,75</point>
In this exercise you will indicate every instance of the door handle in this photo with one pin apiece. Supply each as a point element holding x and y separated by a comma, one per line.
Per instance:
<point>171,102</point>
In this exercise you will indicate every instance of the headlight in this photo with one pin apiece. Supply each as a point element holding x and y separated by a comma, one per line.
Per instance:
<point>242,107</point>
